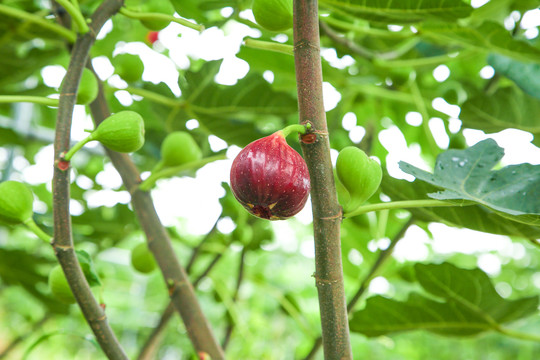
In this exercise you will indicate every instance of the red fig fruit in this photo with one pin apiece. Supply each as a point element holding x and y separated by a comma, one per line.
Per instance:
<point>270,179</point>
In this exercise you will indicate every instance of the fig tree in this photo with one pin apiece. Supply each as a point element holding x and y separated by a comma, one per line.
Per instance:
<point>270,179</point>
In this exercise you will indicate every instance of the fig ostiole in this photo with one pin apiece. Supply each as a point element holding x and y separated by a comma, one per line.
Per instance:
<point>360,175</point>
<point>122,132</point>
<point>270,179</point>
<point>274,15</point>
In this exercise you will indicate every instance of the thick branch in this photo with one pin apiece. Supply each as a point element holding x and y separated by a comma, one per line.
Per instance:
<point>381,259</point>
<point>326,210</point>
<point>63,242</point>
<point>180,289</point>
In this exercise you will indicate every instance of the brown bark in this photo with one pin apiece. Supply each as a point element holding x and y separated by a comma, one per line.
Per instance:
<point>327,213</point>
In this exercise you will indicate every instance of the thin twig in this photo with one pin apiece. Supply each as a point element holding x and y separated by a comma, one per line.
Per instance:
<point>197,250</point>
<point>239,278</point>
<point>180,288</point>
<point>151,345</point>
<point>63,242</point>
<point>22,337</point>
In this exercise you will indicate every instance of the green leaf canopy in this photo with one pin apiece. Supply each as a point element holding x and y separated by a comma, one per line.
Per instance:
<point>471,305</point>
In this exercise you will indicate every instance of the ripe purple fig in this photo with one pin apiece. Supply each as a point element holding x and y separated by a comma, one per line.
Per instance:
<point>270,179</point>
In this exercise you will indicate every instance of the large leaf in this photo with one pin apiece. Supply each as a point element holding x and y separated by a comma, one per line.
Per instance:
<point>525,75</point>
<point>507,108</point>
<point>470,305</point>
<point>467,175</point>
<point>474,217</point>
<point>489,36</point>
<point>232,112</point>
<point>404,11</point>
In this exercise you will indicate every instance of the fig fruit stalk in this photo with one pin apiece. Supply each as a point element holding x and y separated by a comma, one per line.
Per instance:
<point>270,179</point>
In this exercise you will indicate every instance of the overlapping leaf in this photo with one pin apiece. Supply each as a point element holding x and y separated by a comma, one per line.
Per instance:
<point>507,108</point>
<point>231,112</point>
<point>525,75</point>
<point>474,217</point>
<point>404,11</point>
<point>468,175</point>
<point>465,304</point>
<point>489,36</point>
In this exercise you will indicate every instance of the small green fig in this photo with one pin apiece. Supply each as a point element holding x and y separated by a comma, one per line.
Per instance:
<point>179,148</point>
<point>129,67</point>
<point>274,15</point>
<point>59,286</point>
<point>16,202</point>
<point>157,6</point>
<point>360,175</point>
<point>122,132</point>
<point>142,259</point>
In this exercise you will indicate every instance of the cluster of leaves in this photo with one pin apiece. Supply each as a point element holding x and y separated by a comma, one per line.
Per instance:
<point>380,57</point>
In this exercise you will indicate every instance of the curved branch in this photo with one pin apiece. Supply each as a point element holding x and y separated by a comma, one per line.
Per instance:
<point>62,242</point>
<point>180,288</point>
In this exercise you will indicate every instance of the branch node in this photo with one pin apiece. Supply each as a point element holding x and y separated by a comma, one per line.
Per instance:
<point>61,163</point>
<point>324,282</point>
<point>174,286</point>
<point>304,43</point>
<point>338,216</point>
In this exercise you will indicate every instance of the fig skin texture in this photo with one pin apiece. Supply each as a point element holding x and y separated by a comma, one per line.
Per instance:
<point>270,179</point>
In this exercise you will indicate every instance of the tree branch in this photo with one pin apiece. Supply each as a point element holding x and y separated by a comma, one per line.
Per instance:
<point>326,210</point>
<point>62,242</point>
<point>381,259</point>
<point>151,346</point>
<point>180,288</point>
<point>239,278</point>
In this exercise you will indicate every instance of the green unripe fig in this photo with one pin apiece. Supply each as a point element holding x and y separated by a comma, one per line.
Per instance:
<point>16,202</point>
<point>360,176</point>
<point>122,132</point>
<point>274,15</point>
<point>157,6</point>
<point>179,148</point>
<point>128,66</point>
<point>59,286</point>
<point>142,259</point>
